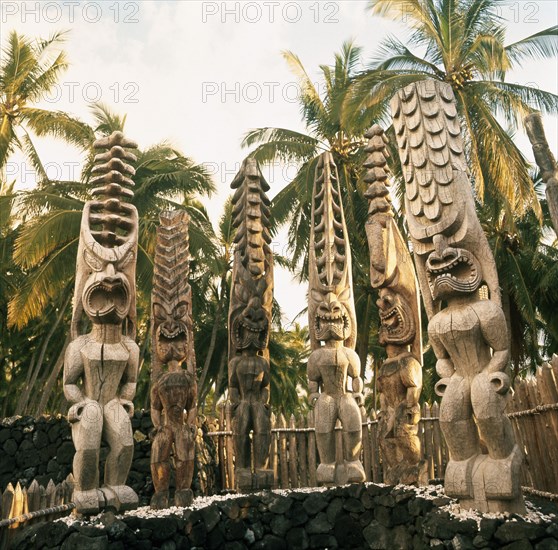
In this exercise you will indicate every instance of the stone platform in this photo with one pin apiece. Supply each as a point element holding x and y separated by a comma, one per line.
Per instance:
<point>355,516</point>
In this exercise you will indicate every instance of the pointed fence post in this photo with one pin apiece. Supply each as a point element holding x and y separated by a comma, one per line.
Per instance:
<point>375,449</point>
<point>293,455</point>
<point>284,465</point>
<point>302,447</point>
<point>312,463</point>
<point>230,446</point>
<point>221,447</point>
<point>366,451</point>
<point>273,453</point>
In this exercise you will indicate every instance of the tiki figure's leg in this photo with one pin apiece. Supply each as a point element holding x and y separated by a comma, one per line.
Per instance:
<point>184,445</point>
<point>86,434</point>
<point>388,442</point>
<point>351,420</point>
<point>326,417</point>
<point>461,435</point>
<point>242,424</point>
<point>406,433</point>
<point>262,435</point>
<point>117,432</point>
<point>501,470</point>
<point>160,467</point>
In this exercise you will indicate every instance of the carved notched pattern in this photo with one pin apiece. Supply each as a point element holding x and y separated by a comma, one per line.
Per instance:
<point>252,289</point>
<point>106,262</point>
<point>431,148</point>
<point>331,310</point>
<point>391,267</point>
<point>171,294</point>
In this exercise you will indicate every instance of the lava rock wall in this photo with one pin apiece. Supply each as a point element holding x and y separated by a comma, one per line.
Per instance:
<point>356,516</point>
<point>42,449</point>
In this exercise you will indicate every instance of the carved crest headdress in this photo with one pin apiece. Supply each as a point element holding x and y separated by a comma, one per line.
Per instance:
<point>451,250</point>
<point>391,266</point>
<point>252,278</point>
<point>171,297</point>
<point>106,263</point>
<point>331,311</point>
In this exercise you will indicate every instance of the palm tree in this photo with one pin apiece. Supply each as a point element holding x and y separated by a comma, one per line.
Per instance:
<point>463,42</point>
<point>29,70</point>
<point>289,351</point>
<point>328,129</point>
<point>528,269</point>
<point>211,284</point>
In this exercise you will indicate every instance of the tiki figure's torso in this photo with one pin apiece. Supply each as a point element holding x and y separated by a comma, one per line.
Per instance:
<point>459,329</point>
<point>251,372</point>
<point>333,365</point>
<point>396,375</point>
<point>103,366</point>
<point>177,392</point>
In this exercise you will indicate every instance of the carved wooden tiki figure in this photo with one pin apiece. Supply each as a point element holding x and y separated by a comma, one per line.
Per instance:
<point>100,367</point>
<point>400,376</point>
<point>173,390</point>
<point>332,327</point>
<point>249,326</point>
<point>468,334</point>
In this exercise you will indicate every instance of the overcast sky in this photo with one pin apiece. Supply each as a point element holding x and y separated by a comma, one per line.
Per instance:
<point>201,74</point>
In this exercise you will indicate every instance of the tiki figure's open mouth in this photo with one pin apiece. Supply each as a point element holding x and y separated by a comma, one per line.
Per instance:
<point>251,327</point>
<point>331,322</point>
<point>172,341</point>
<point>397,325</point>
<point>456,270</point>
<point>107,300</point>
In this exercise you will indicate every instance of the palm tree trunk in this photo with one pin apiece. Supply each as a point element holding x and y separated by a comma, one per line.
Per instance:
<point>24,401</point>
<point>20,404</point>
<point>218,382</point>
<point>363,337</point>
<point>213,340</point>
<point>49,386</point>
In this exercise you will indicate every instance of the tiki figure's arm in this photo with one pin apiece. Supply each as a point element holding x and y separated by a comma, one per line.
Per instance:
<point>494,330</point>
<point>444,365</point>
<point>73,373</point>
<point>192,409</point>
<point>314,378</point>
<point>354,373</point>
<point>234,387</point>
<point>265,389</point>
<point>156,406</point>
<point>129,378</point>
<point>411,378</point>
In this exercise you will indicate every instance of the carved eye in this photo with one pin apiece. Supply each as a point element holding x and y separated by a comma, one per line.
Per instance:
<point>180,311</point>
<point>316,296</point>
<point>128,257</point>
<point>345,295</point>
<point>159,312</point>
<point>95,263</point>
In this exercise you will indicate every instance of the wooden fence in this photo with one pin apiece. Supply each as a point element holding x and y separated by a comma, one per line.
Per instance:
<point>52,501</point>
<point>533,411</point>
<point>294,456</point>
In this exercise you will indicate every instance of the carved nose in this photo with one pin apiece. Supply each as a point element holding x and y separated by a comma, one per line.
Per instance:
<point>110,271</point>
<point>448,255</point>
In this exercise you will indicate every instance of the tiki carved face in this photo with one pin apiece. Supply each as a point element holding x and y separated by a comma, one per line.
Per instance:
<point>331,318</point>
<point>171,336</point>
<point>396,318</point>
<point>453,271</point>
<point>251,327</point>
<point>107,290</point>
